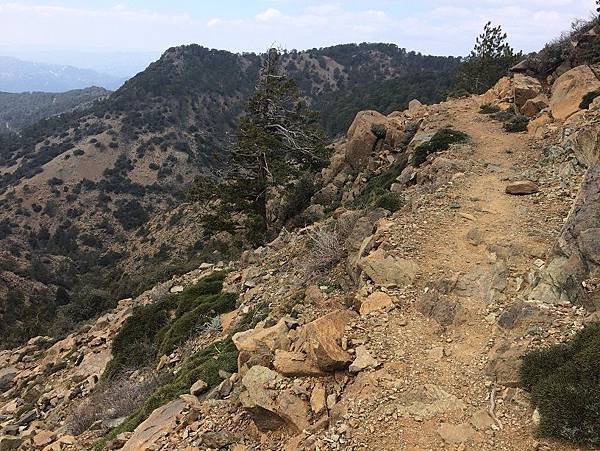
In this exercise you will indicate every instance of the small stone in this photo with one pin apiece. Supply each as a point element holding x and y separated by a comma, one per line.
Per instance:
<point>198,388</point>
<point>523,187</point>
<point>362,361</point>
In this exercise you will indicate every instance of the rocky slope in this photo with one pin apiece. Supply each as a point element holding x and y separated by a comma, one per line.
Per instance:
<point>93,198</point>
<point>369,329</point>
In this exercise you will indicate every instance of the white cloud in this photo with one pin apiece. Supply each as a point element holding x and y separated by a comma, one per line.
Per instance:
<point>430,26</point>
<point>269,15</point>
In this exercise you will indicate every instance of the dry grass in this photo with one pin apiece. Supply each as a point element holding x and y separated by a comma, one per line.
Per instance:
<point>111,399</point>
<point>327,245</point>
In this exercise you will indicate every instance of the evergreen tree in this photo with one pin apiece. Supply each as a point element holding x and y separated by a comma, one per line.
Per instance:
<point>278,140</point>
<point>489,60</point>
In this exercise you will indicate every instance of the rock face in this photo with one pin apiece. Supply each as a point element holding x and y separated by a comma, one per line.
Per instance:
<point>322,341</point>
<point>525,88</point>
<point>522,187</point>
<point>271,409</point>
<point>569,89</point>
<point>386,270</point>
<point>576,256</point>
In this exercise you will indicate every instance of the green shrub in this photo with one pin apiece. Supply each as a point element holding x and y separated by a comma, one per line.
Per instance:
<point>151,330</point>
<point>440,141</point>
<point>390,201</point>
<point>192,322</point>
<point>516,124</point>
<point>379,185</point>
<point>564,381</point>
<point>588,99</point>
<point>488,109</point>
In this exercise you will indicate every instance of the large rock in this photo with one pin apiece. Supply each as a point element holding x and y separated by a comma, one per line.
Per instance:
<point>386,270</point>
<point>295,364</point>
<point>532,107</point>
<point>525,88</point>
<point>270,408</point>
<point>160,422</point>
<point>368,130</point>
<point>10,443</point>
<point>574,263</point>
<point>321,340</point>
<point>7,376</point>
<point>501,91</point>
<point>569,89</point>
<point>270,338</point>
<point>362,361</point>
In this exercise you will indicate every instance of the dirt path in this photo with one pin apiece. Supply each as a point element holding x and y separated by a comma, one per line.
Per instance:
<point>473,236</point>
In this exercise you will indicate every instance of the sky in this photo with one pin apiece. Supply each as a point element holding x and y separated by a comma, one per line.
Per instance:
<point>133,32</point>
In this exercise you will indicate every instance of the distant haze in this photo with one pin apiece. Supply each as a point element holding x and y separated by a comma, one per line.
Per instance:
<point>121,39</point>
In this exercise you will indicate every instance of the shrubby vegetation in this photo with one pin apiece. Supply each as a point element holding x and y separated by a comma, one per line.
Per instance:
<point>565,387</point>
<point>441,140</point>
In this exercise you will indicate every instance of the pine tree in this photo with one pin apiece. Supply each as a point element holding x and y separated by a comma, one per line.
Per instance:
<point>489,60</point>
<point>278,140</point>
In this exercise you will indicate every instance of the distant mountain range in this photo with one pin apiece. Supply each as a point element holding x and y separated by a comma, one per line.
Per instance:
<point>25,76</point>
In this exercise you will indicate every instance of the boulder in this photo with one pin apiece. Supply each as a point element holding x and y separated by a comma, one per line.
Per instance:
<point>322,339</point>
<point>569,89</point>
<point>532,107</point>
<point>575,258</point>
<point>7,376</point>
<point>375,302</point>
<point>368,130</point>
<point>270,408</point>
<point>295,364</point>
<point>198,387</point>
<point>538,122</point>
<point>440,308</point>
<point>415,107</point>
<point>429,401</point>
<point>501,90</point>
<point>10,443</point>
<point>525,88</point>
<point>260,338</point>
<point>386,270</point>
<point>522,187</point>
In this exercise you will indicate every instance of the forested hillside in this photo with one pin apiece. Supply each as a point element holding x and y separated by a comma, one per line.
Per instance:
<point>19,110</point>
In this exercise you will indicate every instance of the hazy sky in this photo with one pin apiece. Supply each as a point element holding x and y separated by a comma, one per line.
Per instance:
<point>441,27</point>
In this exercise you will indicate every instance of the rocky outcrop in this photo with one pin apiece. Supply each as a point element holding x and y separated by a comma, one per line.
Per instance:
<point>155,426</point>
<point>524,89</point>
<point>573,271</point>
<point>569,89</point>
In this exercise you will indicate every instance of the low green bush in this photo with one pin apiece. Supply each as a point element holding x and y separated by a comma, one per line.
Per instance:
<point>153,330</point>
<point>488,109</point>
<point>390,201</point>
<point>516,124</point>
<point>379,185</point>
<point>564,382</point>
<point>440,141</point>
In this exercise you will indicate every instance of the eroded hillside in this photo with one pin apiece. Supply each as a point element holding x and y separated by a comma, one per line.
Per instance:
<point>453,239</point>
<point>93,205</point>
